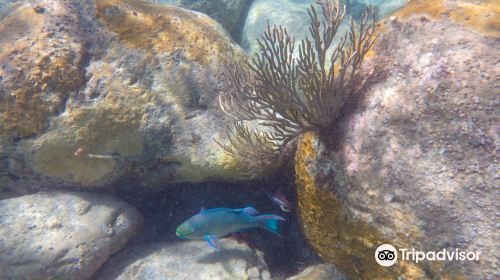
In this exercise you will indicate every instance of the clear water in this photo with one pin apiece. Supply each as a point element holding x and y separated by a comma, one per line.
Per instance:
<point>61,133</point>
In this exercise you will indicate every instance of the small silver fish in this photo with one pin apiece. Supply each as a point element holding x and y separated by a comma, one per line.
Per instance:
<point>279,199</point>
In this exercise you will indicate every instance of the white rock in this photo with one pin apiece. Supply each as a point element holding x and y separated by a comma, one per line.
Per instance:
<point>61,235</point>
<point>318,272</point>
<point>185,260</point>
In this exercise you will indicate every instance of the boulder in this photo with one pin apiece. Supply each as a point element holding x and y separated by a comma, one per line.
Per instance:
<point>96,91</point>
<point>481,15</point>
<point>61,235</point>
<point>318,272</point>
<point>229,13</point>
<point>414,161</point>
<point>186,260</point>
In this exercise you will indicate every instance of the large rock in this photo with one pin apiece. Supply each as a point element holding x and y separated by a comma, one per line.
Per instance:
<point>318,272</point>
<point>479,15</point>
<point>94,91</point>
<point>415,164</point>
<point>186,260</point>
<point>229,13</point>
<point>57,235</point>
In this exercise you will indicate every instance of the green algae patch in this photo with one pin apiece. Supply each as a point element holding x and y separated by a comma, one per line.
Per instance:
<point>222,168</point>
<point>337,235</point>
<point>102,132</point>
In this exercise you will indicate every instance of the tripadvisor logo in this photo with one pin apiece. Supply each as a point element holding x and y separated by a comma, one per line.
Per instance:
<point>387,255</point>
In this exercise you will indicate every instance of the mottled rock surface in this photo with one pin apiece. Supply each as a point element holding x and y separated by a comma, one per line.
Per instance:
<point>185,261</point>
<point>318,272</point>
<point>480,15</point>
<point>92,92</point>
<point>415,162</point>
<point>61,235</point>
<point>229,13</point>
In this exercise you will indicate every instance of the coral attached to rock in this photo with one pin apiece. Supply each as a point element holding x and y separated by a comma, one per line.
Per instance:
<point>414,163</point>
<point>294,95</point>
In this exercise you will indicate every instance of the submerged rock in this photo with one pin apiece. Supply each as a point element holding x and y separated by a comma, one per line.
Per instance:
<point>318,272</point>
<point>95,91</point>
<point>414,164</point>
<point>61,235</point>
<point>229,13</point>
<point>186,260</point>
<point>479,15</point>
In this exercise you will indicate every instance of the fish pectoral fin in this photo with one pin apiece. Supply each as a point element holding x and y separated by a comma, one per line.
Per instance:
<point>249,210</point>
<point>213,241</point>
<point>284,208</point>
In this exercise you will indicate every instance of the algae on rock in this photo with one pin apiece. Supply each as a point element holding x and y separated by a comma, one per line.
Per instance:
<point>414,163</point>
<point>340,237</point>
<point>125,88</point>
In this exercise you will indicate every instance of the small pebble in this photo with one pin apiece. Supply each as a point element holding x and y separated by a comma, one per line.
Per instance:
<point>253,273</point>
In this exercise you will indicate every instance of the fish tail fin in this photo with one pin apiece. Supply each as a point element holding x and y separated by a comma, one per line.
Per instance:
<point>270,222</point>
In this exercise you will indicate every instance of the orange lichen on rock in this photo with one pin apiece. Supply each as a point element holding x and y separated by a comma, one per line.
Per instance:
<point>337,235</point>
<point>433,8</point>
<point>482,16</point>
<point>95,130</point>
<point>164,29</point>
<point>96,133</point>
<point>36,81</point>
<point>97,89</point>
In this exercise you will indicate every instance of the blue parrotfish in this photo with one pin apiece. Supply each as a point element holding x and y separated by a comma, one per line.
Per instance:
<point>215,223</point>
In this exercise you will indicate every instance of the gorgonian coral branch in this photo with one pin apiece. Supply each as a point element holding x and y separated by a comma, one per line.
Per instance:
<point>293,95</point>
<point>254,151</point>
<point>296,94</point>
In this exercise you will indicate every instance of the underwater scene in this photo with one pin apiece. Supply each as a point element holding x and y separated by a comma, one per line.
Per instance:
<point>249,139</point>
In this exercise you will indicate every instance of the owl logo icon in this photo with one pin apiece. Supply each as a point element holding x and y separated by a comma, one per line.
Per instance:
<point>386,255</point>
